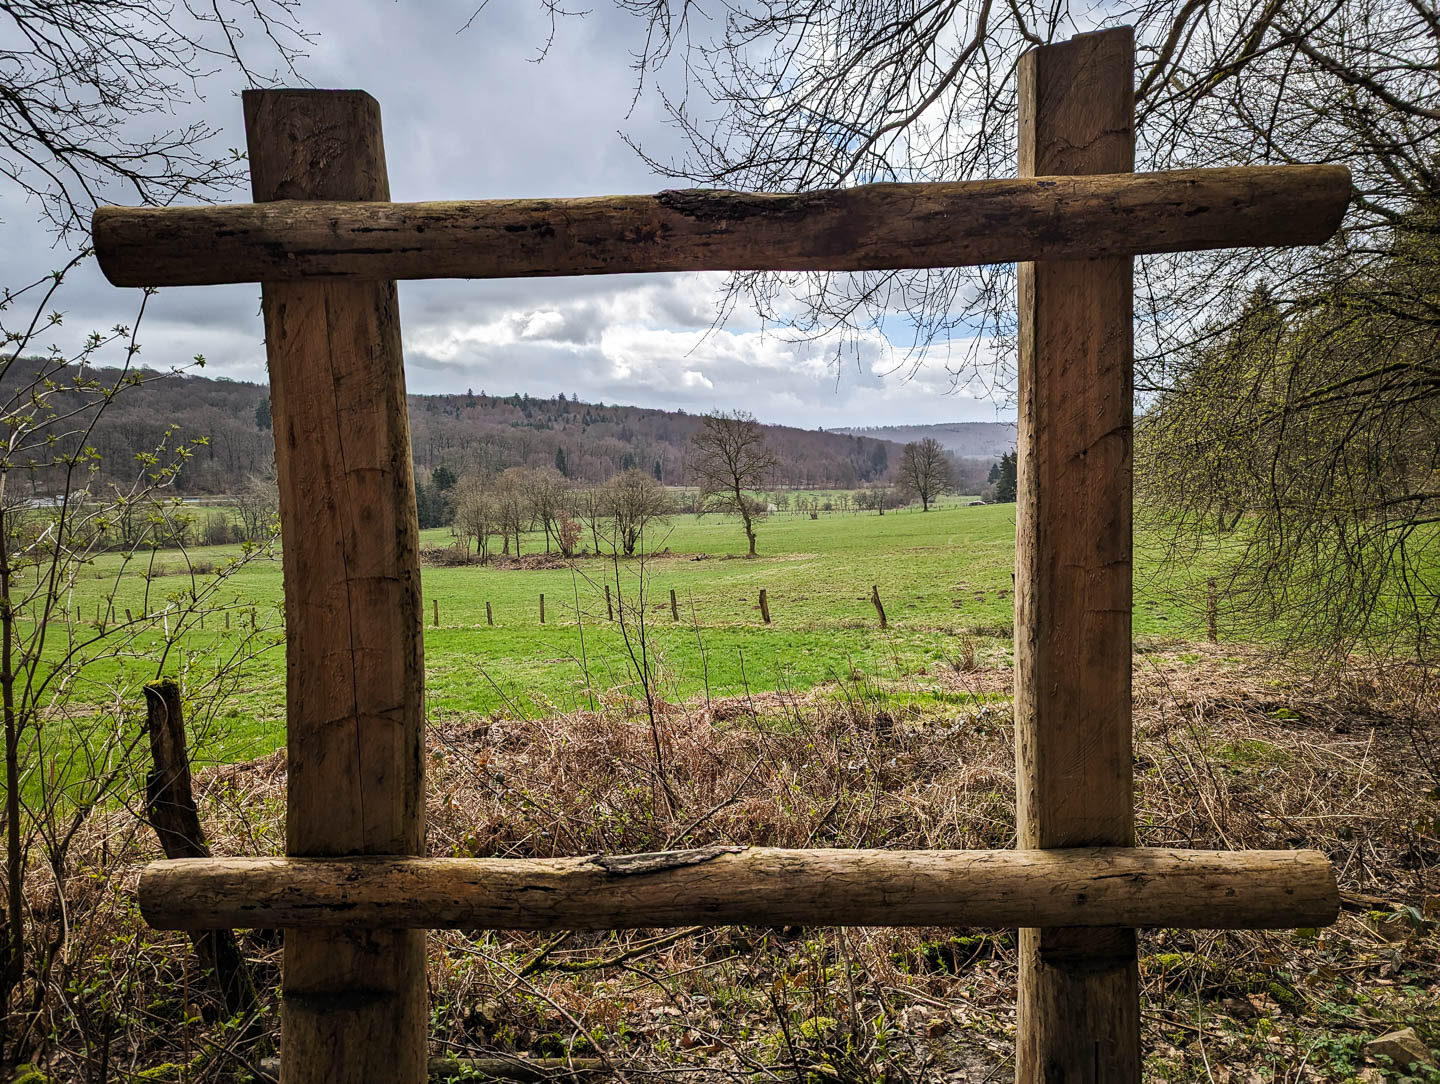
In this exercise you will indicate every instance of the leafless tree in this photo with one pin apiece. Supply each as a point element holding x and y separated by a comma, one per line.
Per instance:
<point>258,506</point>
<point>877,496</point>
<point>629,504</point>
<point>512,505</point>
<point>476,515</point>
<point>925,470</point>
<point>549,494</point>
<point>730,463</point>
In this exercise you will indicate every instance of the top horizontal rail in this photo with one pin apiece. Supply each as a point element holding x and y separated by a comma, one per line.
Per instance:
<point>872,227</point>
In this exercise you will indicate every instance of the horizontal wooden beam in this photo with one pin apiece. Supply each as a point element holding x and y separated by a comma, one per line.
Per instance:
<point>873,227</point>
<point>754,886</point>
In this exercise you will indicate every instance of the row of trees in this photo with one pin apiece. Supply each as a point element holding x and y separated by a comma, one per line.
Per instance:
<point>730,462</point>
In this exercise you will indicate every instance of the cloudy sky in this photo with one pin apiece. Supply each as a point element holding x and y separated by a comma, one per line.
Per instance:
<point>472,115</point>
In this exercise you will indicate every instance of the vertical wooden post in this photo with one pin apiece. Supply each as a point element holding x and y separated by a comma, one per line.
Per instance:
<point>1078,1013</point>
<point>764,606</point>
<point>879,608</point>
<point>1212,610</point>
<point>542,607</point>
<point>489,617</point>
<point>435,603</point>
<point>609,608</point>
<point>354,1000</point>
<point>674,606</point>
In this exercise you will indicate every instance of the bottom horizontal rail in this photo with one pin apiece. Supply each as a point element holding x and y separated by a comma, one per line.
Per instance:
<point>1102,886</point>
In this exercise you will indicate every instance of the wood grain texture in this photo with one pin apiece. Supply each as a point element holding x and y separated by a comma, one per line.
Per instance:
<point>865,228</point>
<point>354,1001</point>
<point>1078,1009</point>
<point>757,885</point>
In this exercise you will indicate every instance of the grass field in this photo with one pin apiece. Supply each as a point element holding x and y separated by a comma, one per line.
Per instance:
<point>944,578</point>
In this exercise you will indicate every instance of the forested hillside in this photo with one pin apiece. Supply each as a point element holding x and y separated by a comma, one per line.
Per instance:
<point>470,432</point>
<point>977,440</point>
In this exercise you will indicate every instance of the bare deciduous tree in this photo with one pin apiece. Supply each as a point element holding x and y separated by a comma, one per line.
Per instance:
<point>925,470</point>
<point>512,506</point>
<point>258,506</point>
<point>476,515</point>
<point>549,493</point>
<point>730,462</point>
<point>630,503</point>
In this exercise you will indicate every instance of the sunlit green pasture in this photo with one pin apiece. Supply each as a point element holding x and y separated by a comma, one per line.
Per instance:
<point>942,576</point>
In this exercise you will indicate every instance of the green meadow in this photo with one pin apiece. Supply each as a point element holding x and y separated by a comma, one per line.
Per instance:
<point>944,578</point>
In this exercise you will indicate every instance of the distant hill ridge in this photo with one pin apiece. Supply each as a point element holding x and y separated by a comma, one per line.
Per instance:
<point>974,440</point>
<point>474,431</point>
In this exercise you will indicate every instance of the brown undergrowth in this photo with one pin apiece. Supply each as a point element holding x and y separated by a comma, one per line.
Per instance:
<point>1230,752</point>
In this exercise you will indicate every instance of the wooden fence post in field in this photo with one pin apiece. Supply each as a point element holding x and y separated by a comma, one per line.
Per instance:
<point>542,607</point>
<point>1078,1011</point>
<point>764,606</point>
<point>489,616</point>
<point>879,609</point>
<point>674,606</point>
<point>435,604</point>
<point>170,806</point>
<point>353,1005</point>
<point>1212,606</point>
<point>609,608</point>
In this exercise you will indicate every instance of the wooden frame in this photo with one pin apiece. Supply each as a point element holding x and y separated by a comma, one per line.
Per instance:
<point>354,894</point>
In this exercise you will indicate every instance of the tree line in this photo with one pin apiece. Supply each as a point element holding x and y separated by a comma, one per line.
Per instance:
<point>731,464</point>
<point>469,433</point>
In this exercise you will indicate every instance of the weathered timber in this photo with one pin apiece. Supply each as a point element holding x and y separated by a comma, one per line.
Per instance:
<point>871,227</point>
<point>170,805</point>
<point>354,1000</point>
<point>674,606</point>
<point>759,885</point>
<point>764,606</point>
<point>1078,995</point>
<point>879,606</point>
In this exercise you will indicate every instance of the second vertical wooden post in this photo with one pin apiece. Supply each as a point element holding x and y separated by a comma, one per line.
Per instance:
<point>1078,1013</point>
<point>354,1000</point>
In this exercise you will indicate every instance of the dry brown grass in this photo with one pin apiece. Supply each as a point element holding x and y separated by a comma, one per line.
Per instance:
<point>1231,751</point>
